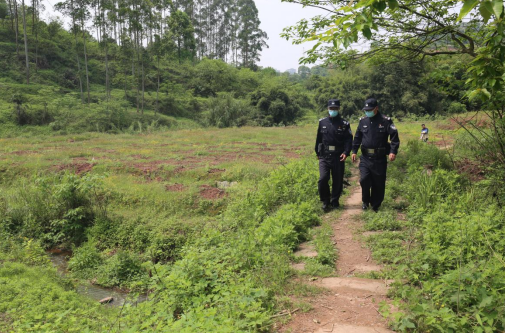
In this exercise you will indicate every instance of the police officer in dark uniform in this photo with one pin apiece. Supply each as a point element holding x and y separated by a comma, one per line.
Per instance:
<point>333,145</point>
<point>372,135</point>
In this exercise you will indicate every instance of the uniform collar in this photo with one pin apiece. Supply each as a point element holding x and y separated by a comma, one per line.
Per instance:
<point>334,118</point>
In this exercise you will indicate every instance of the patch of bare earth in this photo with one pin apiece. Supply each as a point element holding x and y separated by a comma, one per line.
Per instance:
<point>472,169</point>
<point>211,193</point>
<point>22,152</point>
<point>350,304</point>
<point>216,170</point>
<point>478,120</point>
<point>78,168</point>
<point>175,188</point>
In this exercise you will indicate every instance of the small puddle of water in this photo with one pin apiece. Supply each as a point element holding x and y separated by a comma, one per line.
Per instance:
<point>59,260</point>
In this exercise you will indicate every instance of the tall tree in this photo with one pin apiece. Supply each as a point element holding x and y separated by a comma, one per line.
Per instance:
<point>26,44</point>
<point>16,26</point>
<point>251,38</point>
<point>181,32</point>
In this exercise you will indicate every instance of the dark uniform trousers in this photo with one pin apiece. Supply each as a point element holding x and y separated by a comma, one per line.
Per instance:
<point>330,163</point>
<point>373,179</point>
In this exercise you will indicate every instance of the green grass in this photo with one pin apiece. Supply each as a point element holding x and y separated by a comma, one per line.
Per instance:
<point>160,228</point>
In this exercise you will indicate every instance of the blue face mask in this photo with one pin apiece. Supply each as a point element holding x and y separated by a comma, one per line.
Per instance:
<point>369,114</point>
<point>333,113</point>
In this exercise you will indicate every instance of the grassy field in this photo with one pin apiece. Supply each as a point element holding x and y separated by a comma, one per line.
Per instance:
<point>143,212</point>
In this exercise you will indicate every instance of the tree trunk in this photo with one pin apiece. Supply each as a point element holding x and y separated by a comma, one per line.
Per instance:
<point>138,62</point>
<point>85,57</point>
<point>107,83</point>
<point>26,44</point>
<point>36,26</point>
<point>12,17</point>
<point>17,26</point>
<point>104,39</point>
<point>142,73</point>
<point>158,88</point>
<point>143,84</point>
<point>77,51</point>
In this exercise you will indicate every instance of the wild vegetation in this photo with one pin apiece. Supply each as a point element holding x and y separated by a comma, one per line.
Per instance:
<point>146,140</point>
<point>446,248</point>
<point>132,68</point>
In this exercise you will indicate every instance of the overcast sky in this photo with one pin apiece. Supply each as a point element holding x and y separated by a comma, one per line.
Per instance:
<point>275,16</point>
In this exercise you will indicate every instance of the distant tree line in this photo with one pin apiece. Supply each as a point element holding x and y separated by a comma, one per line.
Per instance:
<point>137,35</point>
<point>132,65</point>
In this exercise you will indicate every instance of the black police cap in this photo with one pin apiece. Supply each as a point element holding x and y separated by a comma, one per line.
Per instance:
<point>334,103</point>
<point>370,104</point>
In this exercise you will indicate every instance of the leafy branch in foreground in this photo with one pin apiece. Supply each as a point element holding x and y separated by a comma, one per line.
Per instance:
<point>408,30</point>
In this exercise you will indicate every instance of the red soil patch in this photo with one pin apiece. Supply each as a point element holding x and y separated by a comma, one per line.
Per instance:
<point>108,151</point>
<point>138,156</point>
<point>175,188</point>
<point>80,159</point>
<point>22,152</point>
<point>470,168</point>
<point>150,166</point>
<point>443,143</point>
<point>216,170</point>
<point>211,193</point>
<point>290,155</point>
<point>78,168</point>
<point>454,123</point>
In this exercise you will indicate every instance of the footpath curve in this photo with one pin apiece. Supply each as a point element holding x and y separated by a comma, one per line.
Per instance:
<point>350,304</point>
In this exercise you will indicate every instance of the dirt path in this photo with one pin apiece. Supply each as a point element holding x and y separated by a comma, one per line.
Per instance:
<point>350,304</point>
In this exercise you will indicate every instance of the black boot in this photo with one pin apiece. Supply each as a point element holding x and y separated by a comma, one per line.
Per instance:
<point>326,206</point>
<point>335,204</point>
<point>364,206</point>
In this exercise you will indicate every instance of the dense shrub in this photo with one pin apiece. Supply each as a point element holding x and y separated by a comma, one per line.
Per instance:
<point>456,107</point>
<point>225,111</point>
<point>449,253</point>
<point>55,209</point>
<point>277,106</point>
<point>225,278</point>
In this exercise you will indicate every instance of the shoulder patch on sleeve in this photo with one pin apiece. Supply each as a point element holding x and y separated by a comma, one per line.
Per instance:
<point>345,122</point>
<point>360,119</point>
<point>386,117</point>
<point>321,119</point>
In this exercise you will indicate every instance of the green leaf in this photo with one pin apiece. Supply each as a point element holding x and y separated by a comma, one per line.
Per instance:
<point>380,6</point>
<point>473,94</point>
<point>486,10</point>
<point>407,323</point>
<point>498,7</point>
<point>467,7</point>
<point>367,32</point>
<point>393,4</point>
<point>479,320</point>
<point>486,93</point>
<point>362,3</point>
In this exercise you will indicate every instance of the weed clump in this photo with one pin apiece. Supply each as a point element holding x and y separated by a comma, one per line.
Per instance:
<point>449,252</point>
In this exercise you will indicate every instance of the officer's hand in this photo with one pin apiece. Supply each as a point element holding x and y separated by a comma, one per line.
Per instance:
<point>353,157</point>
<point>392,157</point>
<point>343,157</point>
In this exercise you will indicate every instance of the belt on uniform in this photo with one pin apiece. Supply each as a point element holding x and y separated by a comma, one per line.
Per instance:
<point>374,151</point>
<point>332,149</point>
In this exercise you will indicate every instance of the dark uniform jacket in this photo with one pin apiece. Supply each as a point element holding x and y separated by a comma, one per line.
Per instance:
<point>334,131</point>
<point>374,132</point>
